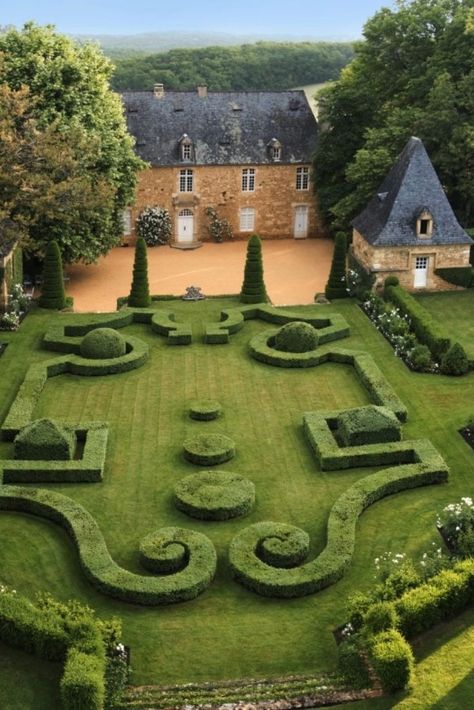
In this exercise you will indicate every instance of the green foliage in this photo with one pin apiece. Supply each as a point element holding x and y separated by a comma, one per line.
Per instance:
<point>253,287</point>
<point>208,449</point>
<point>78,152</point>
<point>352,664</point>
<point>220,229</point>
<point>214,495</point>
<point>392,659</point>
<point>420,358</point>
<point>405,80</point>
<point>459,276</point>
<point>426,329</point>
<point>336,285</point>
<point>45,439</point>
<point>296,337</point>
<point>205,409</point>
<point>52,290</point>
<point>368,425</point>
<point>454,361</point>
<point>359,280</point>
<point>154,226</point>
<point>82,685</point>
<point>456,521</point>
<point>140,292</point>
<point>259,66</point>
<point>381,616</point>
<point>103,344</point>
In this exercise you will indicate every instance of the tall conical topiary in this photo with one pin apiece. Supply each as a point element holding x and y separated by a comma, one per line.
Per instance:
<point>253,287</point>
<point>52,291</point>
<point>140,291</point>
<point>336,285</point>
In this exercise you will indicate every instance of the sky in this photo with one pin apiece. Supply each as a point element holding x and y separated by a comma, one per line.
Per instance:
<point>315,18</point>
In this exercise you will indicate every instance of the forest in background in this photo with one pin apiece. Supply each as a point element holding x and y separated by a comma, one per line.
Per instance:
<point>259,66</point>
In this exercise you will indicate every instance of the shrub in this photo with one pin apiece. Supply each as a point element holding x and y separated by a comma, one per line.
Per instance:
<point>457,523</point>
<point>219,228</point>
<point>209,449</point>
<point>253,288</point>
<point>43,440</point>
<point>392,659</point>
<point>420,358</point>
<point>103,344</point>
<point>154,226</point>
<point>336,285</point>
<point>82,685</point>
<point>381,616</point>
<point>352,665</point>
<point>368,425</point>
<point>459,276</point>
<point>140,292</point>
<point>214,495</point>
<point>359,280</point>
<point>205,409</point>
<point>52,290</point>
<point>455,361</point>
<point>296,337</point>
<point>391,281</point>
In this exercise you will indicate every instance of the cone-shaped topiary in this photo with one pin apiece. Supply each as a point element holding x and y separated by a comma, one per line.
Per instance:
<point>455,361</point>
<point>140,292</point>
<point>52,291</point>
<point>253,287</point>
<point>336,285</point>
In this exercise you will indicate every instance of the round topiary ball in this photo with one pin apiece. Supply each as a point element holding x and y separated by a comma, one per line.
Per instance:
<point>296,337</point>
<point>103,344</point>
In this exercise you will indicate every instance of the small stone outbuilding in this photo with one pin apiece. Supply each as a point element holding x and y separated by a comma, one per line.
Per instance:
<point>409,229</point>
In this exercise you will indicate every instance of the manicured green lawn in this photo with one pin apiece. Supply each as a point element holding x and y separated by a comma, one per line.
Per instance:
<point>455,312</point>
<point>228,632</point>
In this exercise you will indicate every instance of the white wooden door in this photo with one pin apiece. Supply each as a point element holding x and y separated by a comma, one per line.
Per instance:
<point>185,226</point>
<point>421,271</point>
<point>301,222</point>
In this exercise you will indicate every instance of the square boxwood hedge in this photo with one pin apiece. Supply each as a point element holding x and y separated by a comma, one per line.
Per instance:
<point>368,425</point>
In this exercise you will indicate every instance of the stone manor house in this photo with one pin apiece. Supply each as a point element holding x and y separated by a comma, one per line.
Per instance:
<point>246,154</point>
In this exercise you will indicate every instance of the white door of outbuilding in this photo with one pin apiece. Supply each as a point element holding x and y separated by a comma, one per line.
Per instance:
<point>185,226</point>
<point>421,271</point>
<point>301,222</point>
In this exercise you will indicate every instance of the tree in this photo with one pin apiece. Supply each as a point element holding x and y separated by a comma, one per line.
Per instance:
<point>413,75</point>
<point>140,291</point>
<point>336,285</point>
<point>70,102</point>
<point>52,290</point>
<point>253,287</point>
<point>455,361</point>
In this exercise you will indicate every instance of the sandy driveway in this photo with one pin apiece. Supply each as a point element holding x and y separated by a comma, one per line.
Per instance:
<point>294,271</point>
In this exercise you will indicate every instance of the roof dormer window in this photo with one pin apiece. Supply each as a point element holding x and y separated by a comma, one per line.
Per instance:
<point>186,148</point>
<point>274,150</point>
<point>424,225</point>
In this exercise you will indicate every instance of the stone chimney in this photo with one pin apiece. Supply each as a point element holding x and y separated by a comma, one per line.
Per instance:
<point>202,91</point>
<point>159,91</point>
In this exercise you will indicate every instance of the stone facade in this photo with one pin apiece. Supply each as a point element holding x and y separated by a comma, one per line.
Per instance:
<point>400,262</point>
<point>275,200</point>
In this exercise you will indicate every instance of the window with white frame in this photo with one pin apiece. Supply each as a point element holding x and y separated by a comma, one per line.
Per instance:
<point>187,151</point>
<point>247,219</point>
<point>185,180</point>
<point>275,152</point>
<point>302,178</point>
<point>127,222</point>
<point>248,180</point>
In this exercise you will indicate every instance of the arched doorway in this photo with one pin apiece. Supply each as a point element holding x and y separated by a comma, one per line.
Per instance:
<point>185,226</point>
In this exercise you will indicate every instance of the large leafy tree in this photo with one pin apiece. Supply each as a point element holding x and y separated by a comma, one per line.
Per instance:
<point>61,89</point>
<point>412,75</point>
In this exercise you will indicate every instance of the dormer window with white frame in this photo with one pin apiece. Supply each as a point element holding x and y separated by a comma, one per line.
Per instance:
<point>424,225</point>
<point>274,150</point>
<point>186,148</point>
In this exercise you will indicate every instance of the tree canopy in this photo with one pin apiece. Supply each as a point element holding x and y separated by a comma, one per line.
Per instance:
<point>263,66</point>
<point>68,167</point>
<point>412,75</point>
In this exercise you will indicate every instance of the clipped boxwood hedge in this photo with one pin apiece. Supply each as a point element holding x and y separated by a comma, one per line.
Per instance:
<point>459,276</point>
<point>214,495</point>
<point>205,409</point>
<point>45,439</point>
<point>208,449</point>
<point>95,559</point>
<point>427,330</point>
<point>392,659</point>
<point>83,684</point>
<point>103,344</point>
<point>253,572</point>
<point>296,337</point>
<point>368,425</point>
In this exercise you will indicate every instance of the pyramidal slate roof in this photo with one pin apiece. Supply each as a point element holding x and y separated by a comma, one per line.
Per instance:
<point>411,187</point>
<point>226,127</point>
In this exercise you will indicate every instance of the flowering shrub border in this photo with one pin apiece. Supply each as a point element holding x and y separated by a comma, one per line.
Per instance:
<point>456,525</point>
<point>18,305</point>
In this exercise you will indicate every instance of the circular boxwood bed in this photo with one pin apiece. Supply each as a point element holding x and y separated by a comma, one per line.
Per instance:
<point>204,409</point>
<point>209,449</point>
<point>214,495</point>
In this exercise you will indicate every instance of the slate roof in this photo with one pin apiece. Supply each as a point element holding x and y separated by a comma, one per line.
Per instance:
<point>226,127</point>
<point>411,187</point>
